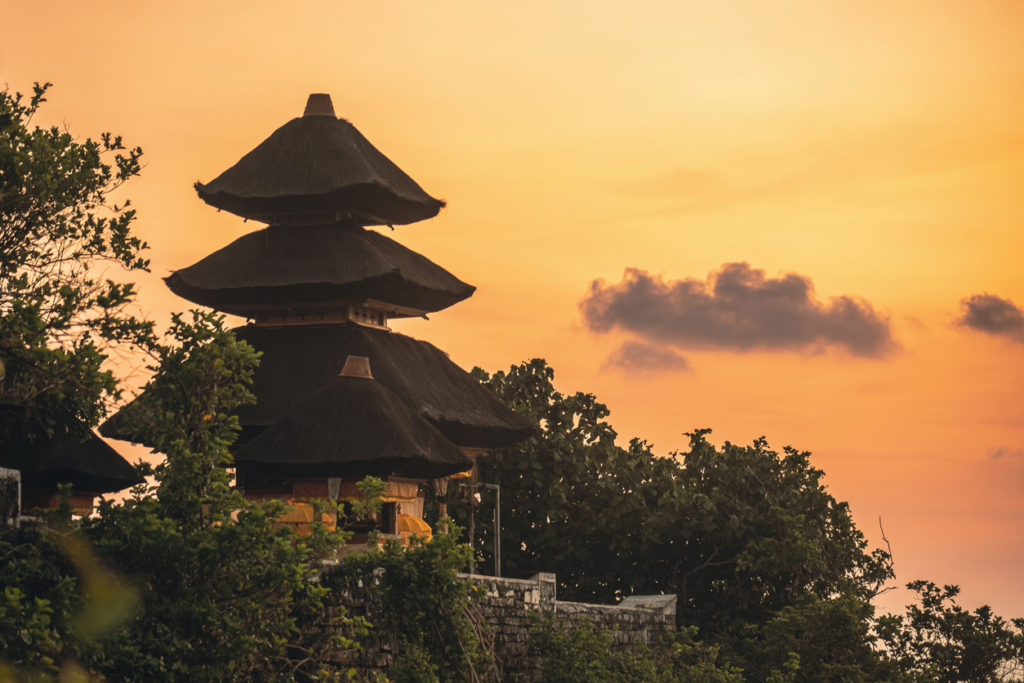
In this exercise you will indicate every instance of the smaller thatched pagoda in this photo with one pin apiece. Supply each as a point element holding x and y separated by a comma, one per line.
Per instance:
<point>350,428</point>
<point>45,462</point>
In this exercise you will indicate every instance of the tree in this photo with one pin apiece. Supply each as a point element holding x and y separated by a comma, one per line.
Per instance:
<point>59,318</point>
<point>421,609</point>
<point>587,654</point>
<point>221,591</point>
<point>224,591</point>
<point>937,640</point>
<point>766,563</point>
<point>191,581</point>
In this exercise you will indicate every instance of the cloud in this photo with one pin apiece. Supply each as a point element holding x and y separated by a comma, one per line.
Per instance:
<point>736,309</point>
<point>993,315</point>
<point>634,356</point>
<point>1004,453</point>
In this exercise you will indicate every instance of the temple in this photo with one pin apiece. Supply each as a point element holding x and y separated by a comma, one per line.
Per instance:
<point>340,395</point>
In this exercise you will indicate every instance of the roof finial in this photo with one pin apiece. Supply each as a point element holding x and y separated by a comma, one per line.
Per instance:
<point>319,104</point>
<point>357,366</point>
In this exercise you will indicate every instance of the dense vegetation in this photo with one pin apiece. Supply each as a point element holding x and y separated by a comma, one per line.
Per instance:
<point>187,581</point>
<point>770,570</point>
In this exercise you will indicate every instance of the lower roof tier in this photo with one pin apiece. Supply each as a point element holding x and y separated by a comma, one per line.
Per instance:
<point>317,266</point>
<point>299,361</point>
<point>354,426</point>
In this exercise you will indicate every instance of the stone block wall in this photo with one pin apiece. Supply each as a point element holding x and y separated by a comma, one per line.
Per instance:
<point>509,608</point>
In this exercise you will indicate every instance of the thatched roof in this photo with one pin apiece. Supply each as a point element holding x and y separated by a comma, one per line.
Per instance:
<point>307,266</point>
<point>298,361</point>
<point>354,427</point>
<point>84,461</point>
<point>319,164</point>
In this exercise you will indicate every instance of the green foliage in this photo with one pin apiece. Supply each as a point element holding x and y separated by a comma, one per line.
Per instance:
<point>814,639</point>
<point>766,563</point>
<point>223,589</point>
<point>419,602</point>
<point>938,640</point>
<point>186,580</point>
<point>39,598</point>
<point>761,534</point>
<point>59,319</point>
<point>187,411</point>
<point>59,323</point>
<point>58,600</point>
<point>586,654</point>
<point>207,588</point>
<point>569,482</point>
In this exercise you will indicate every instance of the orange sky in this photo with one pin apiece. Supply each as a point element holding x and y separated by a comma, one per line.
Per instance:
<point>876,149</point>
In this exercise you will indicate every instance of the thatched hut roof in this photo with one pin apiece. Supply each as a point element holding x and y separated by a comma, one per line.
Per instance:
<point>309,266</point>
<point>298,361</point>
<point>353,427</point>
<point>316,165</point>
<point>84,461</point>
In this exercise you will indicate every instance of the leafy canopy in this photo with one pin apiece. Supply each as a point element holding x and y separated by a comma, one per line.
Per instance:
<point>185,580</point>
<point>59,231</point>
<point>749,538</point>
<point>225,591</point>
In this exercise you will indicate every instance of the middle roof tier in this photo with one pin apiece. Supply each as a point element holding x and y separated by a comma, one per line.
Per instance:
<point>299,268</point>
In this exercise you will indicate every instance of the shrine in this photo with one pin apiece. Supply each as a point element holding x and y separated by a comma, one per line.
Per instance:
<point>38,462</point>
<point>340,395</point>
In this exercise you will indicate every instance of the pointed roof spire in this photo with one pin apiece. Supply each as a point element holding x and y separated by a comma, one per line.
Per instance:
<point>356,366</point>
<point>319,104</point>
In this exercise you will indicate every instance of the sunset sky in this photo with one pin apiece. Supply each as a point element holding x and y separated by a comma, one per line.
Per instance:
<point>766,218</point>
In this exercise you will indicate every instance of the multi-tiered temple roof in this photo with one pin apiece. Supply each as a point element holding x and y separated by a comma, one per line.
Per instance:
<point>319,288</point>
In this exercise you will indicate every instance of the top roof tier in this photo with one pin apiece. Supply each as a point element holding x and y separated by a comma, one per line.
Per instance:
<point>319,167</point>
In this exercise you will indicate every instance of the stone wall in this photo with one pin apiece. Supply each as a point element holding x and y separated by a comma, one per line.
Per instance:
<point>509,608</point>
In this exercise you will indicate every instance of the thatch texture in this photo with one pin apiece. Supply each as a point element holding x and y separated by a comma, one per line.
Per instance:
<point>84,461</point>
<point>309,266</point>
<point>315,165</point>
<point>298,361</point>
<point>354,427</point>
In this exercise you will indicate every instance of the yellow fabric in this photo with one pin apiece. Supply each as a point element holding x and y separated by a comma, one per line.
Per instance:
<point>396,499</point>
<point>298,513</point>
<point>407,526</point>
